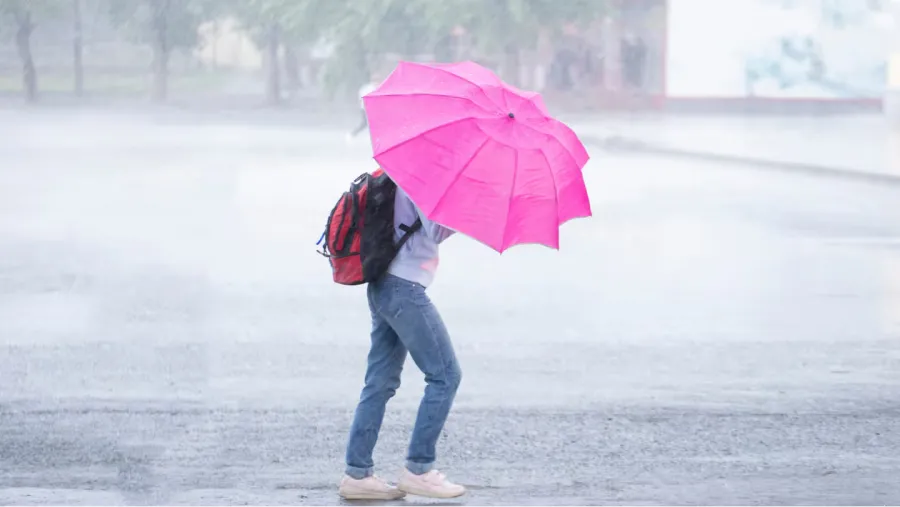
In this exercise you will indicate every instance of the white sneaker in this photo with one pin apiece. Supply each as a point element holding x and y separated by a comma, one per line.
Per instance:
<point>370,488</point>
<point>432,485</point>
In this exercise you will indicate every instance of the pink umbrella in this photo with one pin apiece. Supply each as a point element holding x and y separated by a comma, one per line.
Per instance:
<point>478,155</point>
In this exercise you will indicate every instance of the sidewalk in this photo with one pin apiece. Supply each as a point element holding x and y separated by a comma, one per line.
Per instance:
<point>851,146</point>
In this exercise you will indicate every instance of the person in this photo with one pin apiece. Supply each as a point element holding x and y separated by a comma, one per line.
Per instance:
<point>561,70</point>
<point>363,120</point>
<point>633,55</point>
<point>405,320</point>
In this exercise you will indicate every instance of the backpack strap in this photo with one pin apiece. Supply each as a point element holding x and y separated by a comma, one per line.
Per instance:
<point>408,231</point>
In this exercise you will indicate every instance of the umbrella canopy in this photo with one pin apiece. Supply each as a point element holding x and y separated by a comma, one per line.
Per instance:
<point>477,155</point>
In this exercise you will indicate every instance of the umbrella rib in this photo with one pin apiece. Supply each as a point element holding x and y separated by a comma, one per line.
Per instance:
<point>473,83</point>
<point>504,92</point>
<point>558,140</point>
<point>457,176</point>
<point>424,95</point>
<point>553,180</point>
<point>512,190</point>
<point>420,134</point>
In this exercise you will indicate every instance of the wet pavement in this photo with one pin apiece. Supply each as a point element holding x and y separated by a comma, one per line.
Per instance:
<point>170,336</point>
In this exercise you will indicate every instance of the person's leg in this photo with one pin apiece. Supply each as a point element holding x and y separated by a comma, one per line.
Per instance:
<point>421,329</point>
<point>385,364</point>
<point>363,123</point>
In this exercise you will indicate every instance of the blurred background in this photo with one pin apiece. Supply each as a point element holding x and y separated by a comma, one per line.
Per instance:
<point>583,54</point>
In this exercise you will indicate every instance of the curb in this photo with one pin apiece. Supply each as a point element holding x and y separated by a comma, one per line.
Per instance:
<point>621,144</point>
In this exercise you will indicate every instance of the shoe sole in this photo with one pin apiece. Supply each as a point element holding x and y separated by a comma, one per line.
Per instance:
<point>428,494</point>
<point>365,495</point>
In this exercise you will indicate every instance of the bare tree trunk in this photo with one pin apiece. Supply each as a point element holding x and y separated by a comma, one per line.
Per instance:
<point>216,32</point>
<point>291,68</point>
<point>78,48</point>
<point>273,76</point>
<point>23,44</point>
<point>161,51</point>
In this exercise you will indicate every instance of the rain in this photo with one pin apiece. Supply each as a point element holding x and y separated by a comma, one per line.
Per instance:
<point>725,328</point>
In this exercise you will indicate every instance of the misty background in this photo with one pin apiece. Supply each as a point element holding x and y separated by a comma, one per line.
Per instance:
<point>298,53</point>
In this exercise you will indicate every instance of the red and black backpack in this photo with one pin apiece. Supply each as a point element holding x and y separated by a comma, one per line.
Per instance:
<point>359,234</point>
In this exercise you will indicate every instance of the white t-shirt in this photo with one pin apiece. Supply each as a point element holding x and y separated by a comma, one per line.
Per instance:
<point>418,259</point>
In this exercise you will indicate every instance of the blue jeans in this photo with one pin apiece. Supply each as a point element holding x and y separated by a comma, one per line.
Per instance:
<point>403,319</point>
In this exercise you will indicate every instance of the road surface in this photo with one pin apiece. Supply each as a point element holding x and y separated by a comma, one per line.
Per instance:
<point>713,335</point>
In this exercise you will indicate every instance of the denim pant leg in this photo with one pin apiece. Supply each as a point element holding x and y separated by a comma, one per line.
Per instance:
<point>385,363</point>
<point>421,329</point>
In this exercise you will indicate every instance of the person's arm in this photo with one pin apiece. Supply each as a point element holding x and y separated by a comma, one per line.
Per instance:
<point>437,232</point>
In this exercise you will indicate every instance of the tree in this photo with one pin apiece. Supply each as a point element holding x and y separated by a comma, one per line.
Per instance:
<point>363,31</point>
<point>261,18</point>
<point>78,47</point>
<point>165,25</point>
<point>290,24</point>
<point>25,15</point>
<point>291,66</point>
<point>273,76</point>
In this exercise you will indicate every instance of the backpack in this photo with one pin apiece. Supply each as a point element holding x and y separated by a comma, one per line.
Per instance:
<point>359,234</point>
